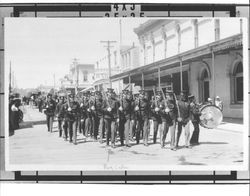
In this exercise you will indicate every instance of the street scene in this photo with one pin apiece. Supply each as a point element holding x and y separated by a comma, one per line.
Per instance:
<point>126,92</point>
<point>33,144</point>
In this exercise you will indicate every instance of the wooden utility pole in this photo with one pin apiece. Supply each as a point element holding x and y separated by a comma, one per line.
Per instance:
<point>108,46</point>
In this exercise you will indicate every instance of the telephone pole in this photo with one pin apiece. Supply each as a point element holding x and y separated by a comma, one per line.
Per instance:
<point>108,46</point>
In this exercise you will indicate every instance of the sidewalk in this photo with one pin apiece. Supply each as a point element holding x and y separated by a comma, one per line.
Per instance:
<point>232,124</point>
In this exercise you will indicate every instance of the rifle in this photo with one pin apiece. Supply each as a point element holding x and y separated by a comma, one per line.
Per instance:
<point>155,97</point>
<point>178,109</point>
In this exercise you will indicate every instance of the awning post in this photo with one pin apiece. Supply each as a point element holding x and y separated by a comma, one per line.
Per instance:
<point>181,74</point>
<point>159,78</point>
<point>142,80</point>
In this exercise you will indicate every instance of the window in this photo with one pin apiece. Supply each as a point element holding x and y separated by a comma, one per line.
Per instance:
<point>85,76</point>
<point>238,83</point>
<point>204,85</point>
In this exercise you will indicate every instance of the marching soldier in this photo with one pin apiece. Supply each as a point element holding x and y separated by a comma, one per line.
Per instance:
<point>183,118</point>
<point>111,119</point>
<point>50,107</point>
<point>83,114</point>
<point>98,114</point>
<point>92,106</point>
<point>168,116</point>
<point>195,119</point>
<point>125,115</point>
<point>142,107</point>
<point>132,116</point>
<point>59,114</point>
<point>155,111</point>
<point>72,113</point>
<point>88,122</point>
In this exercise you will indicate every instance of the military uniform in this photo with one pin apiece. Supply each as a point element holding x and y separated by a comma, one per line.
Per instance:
<point>183,119</point>
<point>59,114</point>
<point>155,114</point>
<point>72,109</point>
<point>110,108</point>
<point>125,112</point>
<point>195,119</point>
<point>88,120</point>
<point>142,106</point>
<point>50,107</point>
<point>168,114</point>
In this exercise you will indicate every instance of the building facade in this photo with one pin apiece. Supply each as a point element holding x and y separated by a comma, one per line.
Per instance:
<point>202,56</point>
<point>80,76</point>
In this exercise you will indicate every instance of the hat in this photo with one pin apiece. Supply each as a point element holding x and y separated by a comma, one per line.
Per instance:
<point>217,97</point>
<point>71,95</point>
<point>184,91</point>
<point>110,90</point>
<point>125,91</point>
<point>158,93</point>
<point>142,92</point>
<point>190,96</point>
<point>49,95</point>
<point>98,93</point>
<point>209,99</point>
<point>169,92</point>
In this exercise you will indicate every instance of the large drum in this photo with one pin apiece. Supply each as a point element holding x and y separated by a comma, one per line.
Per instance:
<point>211,116</point>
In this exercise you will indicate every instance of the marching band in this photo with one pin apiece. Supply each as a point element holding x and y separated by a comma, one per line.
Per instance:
<point>127,118</point>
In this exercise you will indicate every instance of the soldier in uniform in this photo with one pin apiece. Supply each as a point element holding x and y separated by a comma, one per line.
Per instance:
<point>50,107</point>
<point>132,116</point>
<point>155,111</point>
<point>83,114</point>
<point>168,112</point>
<point>143,108</point>
<point>59,113</point>
<point>125,115</point>
<point>183,119</point>
<point>88,122</point>
<point>110,108</point>
<point>72,113</point>
<point>94,118</point>
<point>195,119</point>
<point>99,116</point>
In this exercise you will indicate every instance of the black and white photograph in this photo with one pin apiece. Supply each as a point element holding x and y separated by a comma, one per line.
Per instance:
<point>126,93</point>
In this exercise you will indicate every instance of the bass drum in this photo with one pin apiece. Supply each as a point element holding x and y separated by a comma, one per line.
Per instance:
<point>211,116</point>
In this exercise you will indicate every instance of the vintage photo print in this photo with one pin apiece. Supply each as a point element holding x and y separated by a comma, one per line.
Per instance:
<point>126,94</point>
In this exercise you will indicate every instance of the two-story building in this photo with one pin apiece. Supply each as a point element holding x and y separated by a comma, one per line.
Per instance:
<point>80,76</point>
<point>203,56</point>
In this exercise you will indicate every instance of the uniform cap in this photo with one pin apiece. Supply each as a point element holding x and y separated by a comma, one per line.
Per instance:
<point>142,92</point>
<point>190,96</point>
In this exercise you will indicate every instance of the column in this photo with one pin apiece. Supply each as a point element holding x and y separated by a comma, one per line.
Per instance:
<point>159,78</point>
<point>142,80</point>
<point>181,74</point>
<point>217,29</point>
<point>178,33</point>
<point>153,45</point>
<point>213,73</point>
<point>164,37</point>
<point>195,28</point>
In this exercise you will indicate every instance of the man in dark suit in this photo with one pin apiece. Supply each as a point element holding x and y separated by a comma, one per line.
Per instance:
<point>183,119</point>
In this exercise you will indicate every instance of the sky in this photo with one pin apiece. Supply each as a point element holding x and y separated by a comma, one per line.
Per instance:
<point>38,48</point>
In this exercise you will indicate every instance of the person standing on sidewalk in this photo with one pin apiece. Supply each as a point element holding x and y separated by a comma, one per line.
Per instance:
<point>50,107</point>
